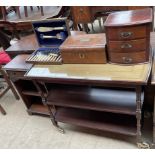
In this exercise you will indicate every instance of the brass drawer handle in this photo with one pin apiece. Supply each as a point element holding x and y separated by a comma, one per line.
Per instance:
<point>126,45</point>
<point>81,55</point>
<point>126,60</point>
<point>126,34</point>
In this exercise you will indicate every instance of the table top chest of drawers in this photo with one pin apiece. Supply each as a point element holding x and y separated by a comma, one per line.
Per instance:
<point>128,36</point>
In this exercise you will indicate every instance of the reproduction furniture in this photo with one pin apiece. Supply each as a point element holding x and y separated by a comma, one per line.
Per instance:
<point>128,36</point>
<point>87,14</point>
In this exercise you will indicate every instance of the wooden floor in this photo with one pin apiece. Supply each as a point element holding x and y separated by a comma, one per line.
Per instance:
<point>49,11</point>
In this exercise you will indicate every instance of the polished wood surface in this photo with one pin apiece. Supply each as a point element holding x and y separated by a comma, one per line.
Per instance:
<point>137,32</point>
<point>97,120</point>
<point>18,64</point>
<point>94,98</point>
<point>25,45</point>
<point>127,18</point>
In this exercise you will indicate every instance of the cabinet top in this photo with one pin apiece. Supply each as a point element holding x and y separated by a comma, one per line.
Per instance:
<point>128,18</point>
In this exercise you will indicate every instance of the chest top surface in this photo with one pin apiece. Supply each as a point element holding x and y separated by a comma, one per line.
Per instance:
<point>85,41</point>
<point>131,17</point>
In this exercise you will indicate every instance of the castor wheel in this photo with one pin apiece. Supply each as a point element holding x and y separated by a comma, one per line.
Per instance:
<point>143,145</point>
<point>30,113</point>
<point>60,130</point>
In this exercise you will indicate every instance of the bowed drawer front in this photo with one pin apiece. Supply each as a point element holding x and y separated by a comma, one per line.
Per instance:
<point>128,46</point>
<point>128,36</point>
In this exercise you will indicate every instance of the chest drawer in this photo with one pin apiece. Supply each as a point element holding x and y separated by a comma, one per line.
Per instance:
<point>128,58</point>
<point>127,46</point>
<point>96,56</point>
<point>127,32</point>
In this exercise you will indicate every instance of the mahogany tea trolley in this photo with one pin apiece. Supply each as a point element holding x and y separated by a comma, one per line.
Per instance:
<point>93,95</point>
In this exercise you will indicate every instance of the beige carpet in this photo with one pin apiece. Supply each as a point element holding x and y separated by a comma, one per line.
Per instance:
<point>19,130</point>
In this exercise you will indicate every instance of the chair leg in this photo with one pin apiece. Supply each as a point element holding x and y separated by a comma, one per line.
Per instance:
<point>9,84</point>
<point>25,10</point>
<point>2,110</point>
<point>42,11</point>
<point>31,7</point>
<point>18,11</point>
<point>3,12</point>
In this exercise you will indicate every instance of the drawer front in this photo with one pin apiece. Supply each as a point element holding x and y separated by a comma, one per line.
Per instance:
<point>128,58</point>
<point>127,33</point>
<point>127,46</point>
<point>13,74</point>
<point>84,57</point>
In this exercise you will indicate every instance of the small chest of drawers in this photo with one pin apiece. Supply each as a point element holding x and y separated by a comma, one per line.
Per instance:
<point>128,36</point>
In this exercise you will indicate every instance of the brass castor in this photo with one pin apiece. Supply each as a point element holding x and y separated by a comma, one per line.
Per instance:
<point>60,129</point>
<point>147,114</point>
<point>143,145</point>
<point>29,112</point>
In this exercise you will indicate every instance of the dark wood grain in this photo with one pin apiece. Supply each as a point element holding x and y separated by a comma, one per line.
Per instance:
<point>97,120</point>
<point>18,64</point>
<point>100,99</point>
<point>131,17</point>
